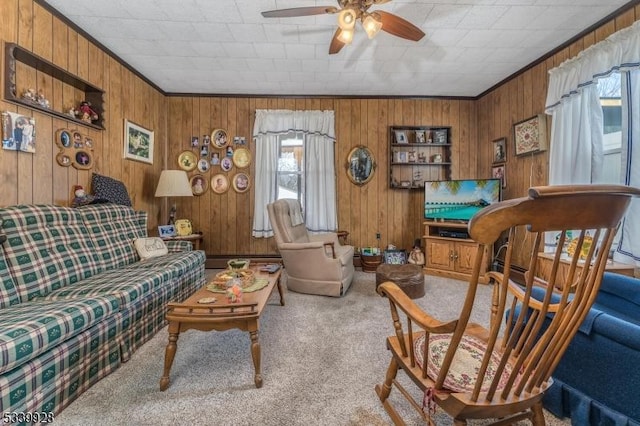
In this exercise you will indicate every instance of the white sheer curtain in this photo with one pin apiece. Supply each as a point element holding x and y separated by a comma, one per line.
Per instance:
<point>628,250</point>
<point>576,139</point>
<point>320,196</point>
<point>576,131</point>
<point>318,128</point>
<point>266,183</point>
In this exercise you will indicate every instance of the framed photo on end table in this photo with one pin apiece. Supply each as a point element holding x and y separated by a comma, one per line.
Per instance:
<point>166,231</point>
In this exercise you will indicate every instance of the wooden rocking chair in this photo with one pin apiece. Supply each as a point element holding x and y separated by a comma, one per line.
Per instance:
<point>502,372</point>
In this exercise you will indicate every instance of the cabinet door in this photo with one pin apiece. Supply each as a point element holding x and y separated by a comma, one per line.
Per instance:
<point>439,254</point>
<point>465,254</point>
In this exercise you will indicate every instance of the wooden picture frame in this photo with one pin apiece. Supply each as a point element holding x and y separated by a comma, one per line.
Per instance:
<point>500,151</point>
<point>241,182</point>
<point>138,142</point>
<point>82,159</point>
<point>219,138</point>
<point>199,184</point>
<point>530,135</point>
<point>226,164</point>
<point>360,165</point>
<point>219,183</point>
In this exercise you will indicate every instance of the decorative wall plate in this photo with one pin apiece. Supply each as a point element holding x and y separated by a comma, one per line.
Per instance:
<point>219,138</point>
<point>219,183</point>
<point>241,157</point>
<point>187,160</point>
<point>241,182</point>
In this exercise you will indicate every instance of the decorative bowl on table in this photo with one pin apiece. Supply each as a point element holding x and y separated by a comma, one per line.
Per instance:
<point>237,264</point>
<point>227,278</point>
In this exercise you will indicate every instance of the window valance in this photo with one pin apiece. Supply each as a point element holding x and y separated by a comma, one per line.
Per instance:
<point>618,52</point>
<point>270,121</point>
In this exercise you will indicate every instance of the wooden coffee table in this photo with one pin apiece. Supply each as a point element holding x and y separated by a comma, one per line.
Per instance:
<point>220,315</point>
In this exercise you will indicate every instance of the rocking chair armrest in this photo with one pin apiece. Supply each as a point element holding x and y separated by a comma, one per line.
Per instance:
<point>399,298</point>
<point>518,292</point>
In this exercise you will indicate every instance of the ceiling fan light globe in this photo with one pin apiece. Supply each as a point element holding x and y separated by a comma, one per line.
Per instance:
<point>371,26</point>
<point>347,19</point>
<point>346,36</point>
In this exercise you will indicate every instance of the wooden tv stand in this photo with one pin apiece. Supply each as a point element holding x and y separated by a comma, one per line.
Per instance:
<point>449,252</point>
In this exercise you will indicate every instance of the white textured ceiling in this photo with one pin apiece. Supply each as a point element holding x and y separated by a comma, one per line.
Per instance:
<point>227,47</point>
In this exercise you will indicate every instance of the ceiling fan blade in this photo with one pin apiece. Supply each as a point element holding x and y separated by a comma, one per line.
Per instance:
<point>299,11</point>
<point>336,44</point>
<point>398,26</point>
<point>381,1</point>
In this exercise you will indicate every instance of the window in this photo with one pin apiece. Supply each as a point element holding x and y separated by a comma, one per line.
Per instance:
<point>610,100</point>
<point>291,173</point>
<point>295,158</point>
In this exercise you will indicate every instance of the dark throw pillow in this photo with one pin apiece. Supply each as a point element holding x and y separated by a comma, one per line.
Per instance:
<point>112,190</point>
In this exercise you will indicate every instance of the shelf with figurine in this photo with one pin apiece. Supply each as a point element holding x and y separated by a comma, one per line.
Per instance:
<point>87,110</point>
<point>418,154</point>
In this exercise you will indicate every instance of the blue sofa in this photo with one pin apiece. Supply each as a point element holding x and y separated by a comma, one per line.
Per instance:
<point>597,382</point>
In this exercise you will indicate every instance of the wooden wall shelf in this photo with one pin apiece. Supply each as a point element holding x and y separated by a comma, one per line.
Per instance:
<point>418,154</point>
<point>15,55</point>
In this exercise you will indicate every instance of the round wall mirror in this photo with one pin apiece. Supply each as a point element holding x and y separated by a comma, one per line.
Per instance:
<point>360,165</point>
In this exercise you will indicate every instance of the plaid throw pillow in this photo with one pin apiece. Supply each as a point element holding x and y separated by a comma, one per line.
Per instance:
<point>110,189</point>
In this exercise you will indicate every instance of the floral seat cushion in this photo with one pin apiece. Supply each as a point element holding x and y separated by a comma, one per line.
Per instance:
<point>466,363</point>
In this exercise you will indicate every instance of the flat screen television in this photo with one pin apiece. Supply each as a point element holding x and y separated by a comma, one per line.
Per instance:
<point>459,200</point>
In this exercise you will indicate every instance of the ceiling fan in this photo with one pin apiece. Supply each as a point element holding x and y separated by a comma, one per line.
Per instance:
<point>349,12</point>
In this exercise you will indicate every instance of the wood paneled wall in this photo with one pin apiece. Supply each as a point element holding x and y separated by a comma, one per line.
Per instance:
<point>37,178</point>
<point>226,219</point>
<point>524,97</point>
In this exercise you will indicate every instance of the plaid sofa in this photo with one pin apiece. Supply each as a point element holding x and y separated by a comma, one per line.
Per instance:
<point>75,299</point>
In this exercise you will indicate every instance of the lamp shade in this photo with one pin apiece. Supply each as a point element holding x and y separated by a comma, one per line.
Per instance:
<point>371,26</point>
<point>346,36</point>
<point>174,183</point>
<point>347,19</point>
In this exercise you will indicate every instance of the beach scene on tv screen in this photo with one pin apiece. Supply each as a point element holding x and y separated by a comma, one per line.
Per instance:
<point>459,199</point>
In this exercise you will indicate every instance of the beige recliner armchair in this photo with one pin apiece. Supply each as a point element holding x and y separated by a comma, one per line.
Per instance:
<point>315,264</point>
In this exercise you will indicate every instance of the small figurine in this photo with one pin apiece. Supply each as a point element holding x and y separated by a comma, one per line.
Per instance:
<point>30,95</point>
<point>41,100</point>
<point>416,256</point>
<point>73,112</point>
<point>87,114</point>
<point>81,198</point>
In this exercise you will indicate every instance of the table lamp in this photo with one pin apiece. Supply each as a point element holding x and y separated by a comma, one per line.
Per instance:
<point>173,183</point>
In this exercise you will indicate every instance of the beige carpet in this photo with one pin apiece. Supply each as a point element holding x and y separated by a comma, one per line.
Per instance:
<point>321,358</point>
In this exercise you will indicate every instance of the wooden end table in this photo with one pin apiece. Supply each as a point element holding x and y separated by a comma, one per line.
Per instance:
<point>220,315</point>
<point>196,239</point>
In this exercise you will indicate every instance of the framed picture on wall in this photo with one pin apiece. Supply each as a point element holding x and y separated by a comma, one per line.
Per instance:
<point>530,135</point>
<point>499,151</point>
<point>498,172</point>
<point>138,142</point>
